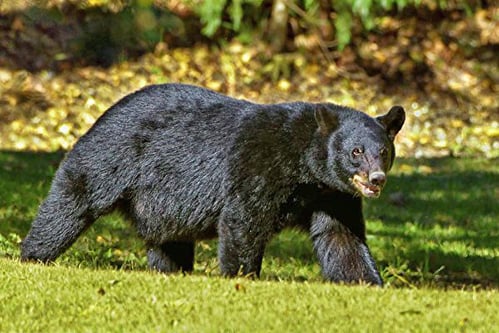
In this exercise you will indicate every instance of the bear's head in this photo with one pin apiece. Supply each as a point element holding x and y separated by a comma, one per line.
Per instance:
<point>356,150</point>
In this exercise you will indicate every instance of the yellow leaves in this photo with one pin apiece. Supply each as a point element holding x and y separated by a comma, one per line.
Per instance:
<point>487,22</point>
<point>49,111</point>
<point>54,114</point>
<point>456,123</point>
<point>101,240</point>
<point>16,125</point>
<point>114,6</point>
<point>182,59</point>
<point>64,129</point>
<point>332,70</point>
<point>96,2</point>
<point>284,85</point>
<point>90,102</point>
<point>246,57</point>
<point>440,136</point>
<point>5,75</point>
<point>424,138</point>
<point>87,119</point>
<point>200,55</point>
<point>493,131</point>
<point>214,85</point>
<point>229,72</point>
<point>462,80</point>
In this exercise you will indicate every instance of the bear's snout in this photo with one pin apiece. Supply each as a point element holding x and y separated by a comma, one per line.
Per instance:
<point>377,178</point>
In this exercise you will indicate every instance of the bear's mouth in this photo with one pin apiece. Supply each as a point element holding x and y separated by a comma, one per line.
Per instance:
<point>366,188</point>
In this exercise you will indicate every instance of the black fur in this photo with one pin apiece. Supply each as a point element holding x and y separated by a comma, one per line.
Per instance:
<point>185,163</point>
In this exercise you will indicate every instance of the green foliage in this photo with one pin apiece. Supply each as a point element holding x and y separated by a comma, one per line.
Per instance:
<point>211,13</point>
<point>141,24</point>
<point>343,25</point>
<point>366,10</point>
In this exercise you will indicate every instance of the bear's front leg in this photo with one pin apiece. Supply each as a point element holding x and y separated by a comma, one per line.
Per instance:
<point>343,255</point>
<point>172,257</point>
<point>66,213</point>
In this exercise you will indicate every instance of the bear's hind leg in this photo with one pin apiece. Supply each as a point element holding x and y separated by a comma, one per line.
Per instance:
<point>172,257</point>
<point>240,251</point>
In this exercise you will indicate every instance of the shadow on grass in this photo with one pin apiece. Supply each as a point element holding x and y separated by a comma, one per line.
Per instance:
<point>440,215</point>
<point>444,221</point>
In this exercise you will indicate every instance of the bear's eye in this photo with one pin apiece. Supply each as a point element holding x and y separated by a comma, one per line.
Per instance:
<point>356,152</point>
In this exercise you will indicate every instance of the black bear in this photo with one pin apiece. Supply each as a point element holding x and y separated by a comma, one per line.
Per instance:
<point>185,163</point>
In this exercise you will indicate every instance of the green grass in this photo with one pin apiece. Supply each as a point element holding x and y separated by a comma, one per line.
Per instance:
<point>434,234</point>
<point>61,298</point>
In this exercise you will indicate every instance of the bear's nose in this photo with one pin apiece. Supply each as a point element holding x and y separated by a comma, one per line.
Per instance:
<point>377,178</point>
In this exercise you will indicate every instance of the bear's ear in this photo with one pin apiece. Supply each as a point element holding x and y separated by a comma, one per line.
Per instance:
<point>393,120</point>
<point>326,119</point>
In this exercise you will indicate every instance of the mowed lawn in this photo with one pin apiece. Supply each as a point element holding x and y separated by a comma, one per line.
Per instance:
<point>35,298</point>
<point>434,234</point>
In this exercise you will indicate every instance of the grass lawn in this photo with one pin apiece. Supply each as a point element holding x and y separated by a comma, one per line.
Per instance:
<point>434,234</point>
<point>63,298</point>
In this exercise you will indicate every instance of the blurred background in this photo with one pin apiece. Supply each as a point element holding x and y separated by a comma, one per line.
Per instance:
<point>64,62</point>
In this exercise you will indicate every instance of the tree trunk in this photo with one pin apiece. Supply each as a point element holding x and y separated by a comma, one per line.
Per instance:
<point>277,32</point>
